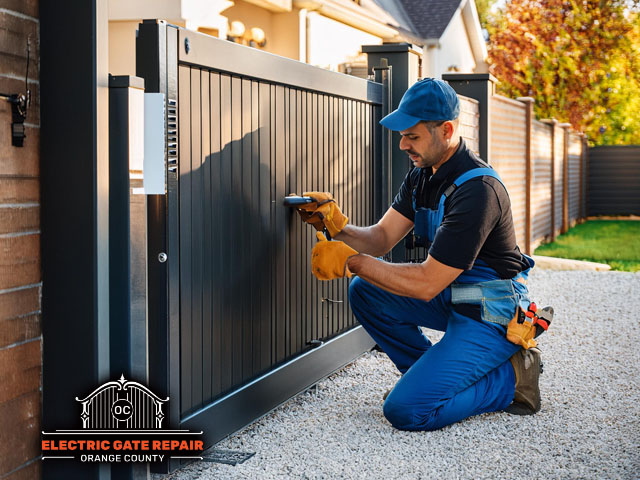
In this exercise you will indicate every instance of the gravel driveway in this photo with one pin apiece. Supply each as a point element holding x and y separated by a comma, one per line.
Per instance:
<point>589,425</point>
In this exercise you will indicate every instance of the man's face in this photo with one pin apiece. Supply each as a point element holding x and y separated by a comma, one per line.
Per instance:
<point>425,148</point>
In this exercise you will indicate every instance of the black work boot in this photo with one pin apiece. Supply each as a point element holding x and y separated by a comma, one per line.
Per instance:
<point>527,368</point>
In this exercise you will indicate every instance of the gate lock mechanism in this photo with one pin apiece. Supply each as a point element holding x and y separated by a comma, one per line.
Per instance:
<point>19,104</point>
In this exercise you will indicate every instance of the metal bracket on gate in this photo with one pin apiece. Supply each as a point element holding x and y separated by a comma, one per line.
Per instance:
<point>19,104</point>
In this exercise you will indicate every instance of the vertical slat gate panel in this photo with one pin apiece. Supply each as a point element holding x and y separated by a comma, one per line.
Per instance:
<point>280,177</point>
<point>207,281</point>
<point>313,182</point>
<point>322,186</point>
<point>308,169</point>
<point>328,161</point>
<point>359,170</point>
<point>293,225</point>
<point>341,185</point>
<point>216,232</point>
<point>335,176</point>
<point>248,300</point>
<point>246,254</point>
<point>241,306</point>
<point>236,226</point>
<point>286,251</point>
<point>195,179</point>
<point>226,240</point>
<point>264,120</point>
<point>184,85</point>
<point>272,220</point>
<point>302,231</point>
<point>257,246</point>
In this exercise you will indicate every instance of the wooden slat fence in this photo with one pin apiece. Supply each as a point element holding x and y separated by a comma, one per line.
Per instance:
<point>558,171</point>
<point>541,205</point>
<point>508,155</point>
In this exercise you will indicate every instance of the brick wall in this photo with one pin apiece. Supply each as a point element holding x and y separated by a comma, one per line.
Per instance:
<point>20,277</point>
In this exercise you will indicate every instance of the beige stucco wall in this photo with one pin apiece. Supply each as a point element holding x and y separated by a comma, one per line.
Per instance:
<point>128,9</point>
<point>281,29</point>
<point>306,36</point>
<point>330,43</point>
<point>454,49</point>
<point>122,47</point>
<point>286,41</point>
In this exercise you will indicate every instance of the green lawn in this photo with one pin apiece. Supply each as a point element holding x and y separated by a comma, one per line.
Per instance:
<point>616,242</point>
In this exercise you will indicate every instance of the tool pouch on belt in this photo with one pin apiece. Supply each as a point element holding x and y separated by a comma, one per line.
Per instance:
<point>521,330</point>
<point>498,300</point>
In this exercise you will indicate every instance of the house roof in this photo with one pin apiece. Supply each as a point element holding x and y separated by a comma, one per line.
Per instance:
<point>429,18</point>
<point>424,22</point>
<point>422,19</point>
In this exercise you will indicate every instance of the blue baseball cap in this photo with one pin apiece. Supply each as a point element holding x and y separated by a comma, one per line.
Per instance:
<point>429,99</point>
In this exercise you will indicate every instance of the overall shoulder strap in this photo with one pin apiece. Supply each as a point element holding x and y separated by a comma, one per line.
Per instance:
<point>468,175</point>
<point>436,216</point>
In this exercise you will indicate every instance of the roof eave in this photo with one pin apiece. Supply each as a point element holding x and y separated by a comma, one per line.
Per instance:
<point>350,16</point>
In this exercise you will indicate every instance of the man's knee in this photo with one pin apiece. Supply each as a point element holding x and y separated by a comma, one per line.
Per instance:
<point>398,415</point>
<point>359,293</point>
<point>410,417</point>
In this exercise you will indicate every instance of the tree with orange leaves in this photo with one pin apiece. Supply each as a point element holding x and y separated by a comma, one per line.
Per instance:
<point>580,60</point>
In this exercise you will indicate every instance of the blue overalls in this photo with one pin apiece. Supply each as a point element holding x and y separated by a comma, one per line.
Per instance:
<point>468,371</point>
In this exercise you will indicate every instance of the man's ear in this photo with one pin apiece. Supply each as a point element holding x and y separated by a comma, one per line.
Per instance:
<point>448,130</point>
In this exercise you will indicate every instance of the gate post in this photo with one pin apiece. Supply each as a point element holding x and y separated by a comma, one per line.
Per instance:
<point>480,87</point>
<point>75,216</point>
<point>383,168</point>
<point>404,58</point>
<point>127,230</point>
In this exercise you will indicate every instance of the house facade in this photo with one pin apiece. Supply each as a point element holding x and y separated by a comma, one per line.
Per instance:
<point>323,33</point>
<point>448,30</point>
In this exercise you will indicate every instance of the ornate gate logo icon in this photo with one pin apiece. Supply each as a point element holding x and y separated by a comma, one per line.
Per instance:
<point>122,404</point>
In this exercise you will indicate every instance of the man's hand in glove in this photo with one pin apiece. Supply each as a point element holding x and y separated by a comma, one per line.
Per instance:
<point>323,212</point>
<point>329,259</point>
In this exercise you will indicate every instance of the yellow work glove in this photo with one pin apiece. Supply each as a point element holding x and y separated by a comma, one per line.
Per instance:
<point>329,259</point>
<point>323,212</point>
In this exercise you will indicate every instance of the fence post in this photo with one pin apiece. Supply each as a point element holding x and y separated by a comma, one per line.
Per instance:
<point>565,178</point>
<point>404,59</point>
<point>583,172</point>
<point>552,122</point>
<point>528,101</point>
<point>481,87</point>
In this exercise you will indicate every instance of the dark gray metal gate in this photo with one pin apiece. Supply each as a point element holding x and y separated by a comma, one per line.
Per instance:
<point>237,322</point>
<point>613,186</point>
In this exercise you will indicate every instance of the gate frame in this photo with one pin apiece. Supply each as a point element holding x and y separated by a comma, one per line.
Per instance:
<point>161,49</point>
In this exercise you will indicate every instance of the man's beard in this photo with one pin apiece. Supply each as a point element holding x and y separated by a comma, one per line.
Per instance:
<point>431,157</point>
